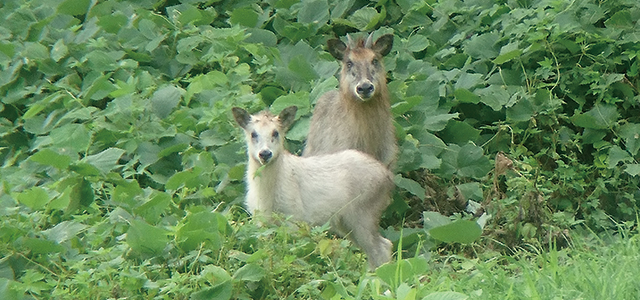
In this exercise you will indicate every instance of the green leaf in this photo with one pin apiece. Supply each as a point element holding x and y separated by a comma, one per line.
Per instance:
<point>410,185</point>
<point>432,219</point>
<point>96,88</point>
<point>460,132</point>
<point>469,81</point>
<point>365,18</point>
<point>71,136</point>
<point>222,284</point>
<point>404,106</point>
<point>165,99</point>
<point>35,198</point>
<point>446,296</point>
<point>185,14</point>
<point>466,161</point>
<point>249,272</point>
<point>507,53</point>
<point>49,157</point>
<point>61,201</point>
<point>80,196</point>
<point>244,16</point>
<point>35,51</point>
<point>125,192</point>
<point>293,31</point>
<point>340,8</point>
<point>112,23</point>
<point>471,190</point>
<point>616,155</point>
<point>460,231</point>
<point>472,163</point>
<point>405,292</point>
<point>630,132</point>
<point>394,273</point>
<point>173,149</point>
<point>633,169</point>
<point>59,50</point>
<point>300,99</point>
<point>465,96</point>
<point>146,239</point>
<point>202,228</point>
<point>106,160</point>
<point>9,288</point>
<point>74,7</point>
<point>153,209</point>
<point>262,36</point>
<point>482,46</point>
<point>188,178</point>
<point>417,43</point>
<point>299,130</point>
<point>300,66</point>
<point>438,122</point>
<point>601,116</point>
<point>100,61</point>
<point>41,246</point>
<point>64,231</point>
<point>621,19</point>
<point>522,111</point>
<point>314,11</point>
<point>84,169</point>
<point>494,96</point>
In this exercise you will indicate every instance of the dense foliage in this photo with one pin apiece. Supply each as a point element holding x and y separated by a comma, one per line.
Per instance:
<point>122,168</point>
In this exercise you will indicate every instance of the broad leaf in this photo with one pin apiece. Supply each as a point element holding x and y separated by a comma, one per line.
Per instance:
<point>165,99</point>
<point>51,158</point>
<point>601,116</point>
<point>106,160</point>
<point>64,231</point>
<point>410,185</point>
<point>146,239</point>
<point>249,272</point>
<point>35,198</point>
<point>460,231</point>
<point>446,296</point>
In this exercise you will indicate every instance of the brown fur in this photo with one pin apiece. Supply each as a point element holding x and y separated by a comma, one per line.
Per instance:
<point>358,114</point>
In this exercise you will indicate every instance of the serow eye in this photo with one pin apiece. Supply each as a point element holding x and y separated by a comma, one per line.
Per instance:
<point>275,134</point>
<point>349,64</point>
<point>254,135</point>
<point>375,62</point>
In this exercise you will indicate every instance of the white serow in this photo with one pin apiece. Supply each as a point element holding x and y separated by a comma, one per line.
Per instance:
<point>349,189</point>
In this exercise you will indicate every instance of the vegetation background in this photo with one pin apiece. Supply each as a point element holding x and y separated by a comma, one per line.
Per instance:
<point>518,123</point>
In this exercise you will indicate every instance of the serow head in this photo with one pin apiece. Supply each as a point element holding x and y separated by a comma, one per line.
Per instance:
<point>264,132</point>
<point>362,70</point>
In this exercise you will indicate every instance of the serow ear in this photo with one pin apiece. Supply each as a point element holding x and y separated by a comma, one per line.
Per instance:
<point>287,116</point>
<point>242,116</point>
<point>383,44</point>
<point>336,47</point>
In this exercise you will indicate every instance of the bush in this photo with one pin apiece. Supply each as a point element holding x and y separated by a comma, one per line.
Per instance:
<point>123,170</point>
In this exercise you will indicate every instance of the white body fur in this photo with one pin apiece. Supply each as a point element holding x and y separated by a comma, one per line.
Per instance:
<point>349,189</point>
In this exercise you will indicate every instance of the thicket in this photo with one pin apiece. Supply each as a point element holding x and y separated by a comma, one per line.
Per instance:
<point>122,169</point>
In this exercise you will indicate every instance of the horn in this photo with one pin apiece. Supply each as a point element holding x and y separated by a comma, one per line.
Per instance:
<point>349,41</point>
<point>369,42</point>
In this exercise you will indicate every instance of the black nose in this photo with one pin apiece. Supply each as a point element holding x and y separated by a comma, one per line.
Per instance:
<point>365,89</point>
<point>265,155</point>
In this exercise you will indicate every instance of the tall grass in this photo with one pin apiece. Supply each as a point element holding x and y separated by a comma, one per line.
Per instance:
<point>592,267</point>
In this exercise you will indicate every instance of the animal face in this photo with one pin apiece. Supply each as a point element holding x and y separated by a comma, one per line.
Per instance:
<point>264,132</point>
<point>362,70</point>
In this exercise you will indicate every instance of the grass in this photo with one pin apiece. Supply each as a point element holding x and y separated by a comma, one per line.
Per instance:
<point>592,267</point>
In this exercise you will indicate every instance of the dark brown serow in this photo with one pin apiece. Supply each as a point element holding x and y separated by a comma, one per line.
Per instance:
<point>358,115</point>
